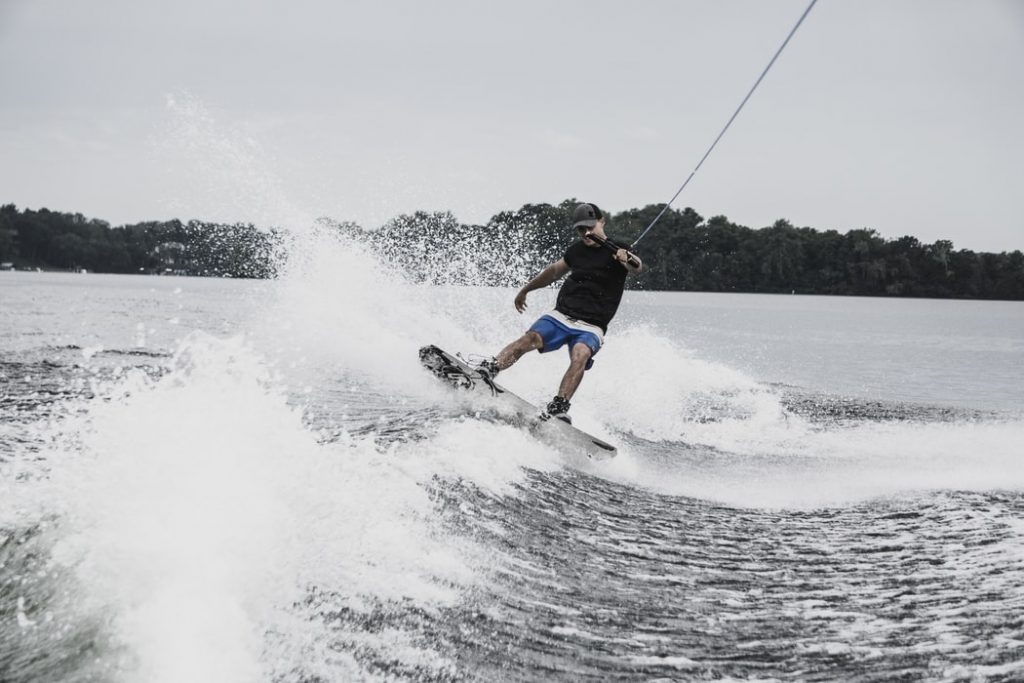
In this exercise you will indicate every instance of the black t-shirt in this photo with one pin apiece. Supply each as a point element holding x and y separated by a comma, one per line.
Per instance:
<point>593,290</point>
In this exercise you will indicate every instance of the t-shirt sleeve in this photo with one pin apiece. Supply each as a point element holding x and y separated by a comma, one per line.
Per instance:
<point>567,256</point>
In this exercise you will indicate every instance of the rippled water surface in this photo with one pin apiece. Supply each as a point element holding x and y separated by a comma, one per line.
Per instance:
<point>216,480</point>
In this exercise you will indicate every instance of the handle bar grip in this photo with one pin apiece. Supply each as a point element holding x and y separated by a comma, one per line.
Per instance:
<point>631,259</point>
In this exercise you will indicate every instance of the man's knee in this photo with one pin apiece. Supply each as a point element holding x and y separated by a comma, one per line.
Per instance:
<point>581,353</point>
<point>532,340</point>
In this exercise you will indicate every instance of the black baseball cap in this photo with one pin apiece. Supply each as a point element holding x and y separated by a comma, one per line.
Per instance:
<point>586,216</point>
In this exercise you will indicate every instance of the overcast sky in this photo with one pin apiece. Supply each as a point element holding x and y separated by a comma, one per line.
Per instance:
<point>906,116</point>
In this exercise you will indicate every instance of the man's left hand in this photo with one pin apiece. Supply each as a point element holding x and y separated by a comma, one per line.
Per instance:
<point>623,257</point>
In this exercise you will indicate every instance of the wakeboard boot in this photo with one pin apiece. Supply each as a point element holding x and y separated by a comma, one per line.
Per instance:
<point>488,369</point>
<point>558,408</point>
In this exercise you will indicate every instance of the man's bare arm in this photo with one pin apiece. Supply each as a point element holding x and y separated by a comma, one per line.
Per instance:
<point>542,279</point>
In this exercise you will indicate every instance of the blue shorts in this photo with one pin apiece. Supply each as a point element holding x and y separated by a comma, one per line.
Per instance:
<point>557,330</point>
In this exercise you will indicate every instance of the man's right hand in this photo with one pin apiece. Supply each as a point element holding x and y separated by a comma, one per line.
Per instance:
<point>521,301</point>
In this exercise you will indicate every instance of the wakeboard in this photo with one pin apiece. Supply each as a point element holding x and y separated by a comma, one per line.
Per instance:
<point>520,412</point>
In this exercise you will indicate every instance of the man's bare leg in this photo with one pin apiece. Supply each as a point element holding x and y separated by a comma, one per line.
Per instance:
<point>531,341</point>
<point>581,353</point>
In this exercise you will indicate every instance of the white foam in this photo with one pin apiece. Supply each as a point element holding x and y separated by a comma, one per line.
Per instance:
<point>675,662</point>
<point>198,509</point>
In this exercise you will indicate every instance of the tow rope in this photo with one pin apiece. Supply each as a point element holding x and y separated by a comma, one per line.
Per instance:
<point>731,119</point>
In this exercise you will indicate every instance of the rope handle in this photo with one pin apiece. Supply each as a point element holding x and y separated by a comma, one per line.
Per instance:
<point>630,258</point>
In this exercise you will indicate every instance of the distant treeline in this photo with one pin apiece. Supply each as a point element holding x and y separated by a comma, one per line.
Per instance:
<point>684,252</point>
<point>64,241</point>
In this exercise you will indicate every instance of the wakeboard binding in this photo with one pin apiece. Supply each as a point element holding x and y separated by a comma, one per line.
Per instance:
<point>454,371</point>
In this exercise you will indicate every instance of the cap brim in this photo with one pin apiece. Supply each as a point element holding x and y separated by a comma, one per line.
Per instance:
<point>589,223</point>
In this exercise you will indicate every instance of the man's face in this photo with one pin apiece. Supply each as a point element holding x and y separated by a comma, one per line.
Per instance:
<point>585,231</point>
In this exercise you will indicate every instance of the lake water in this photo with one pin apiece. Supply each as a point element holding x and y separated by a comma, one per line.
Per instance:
<point>220,480</point>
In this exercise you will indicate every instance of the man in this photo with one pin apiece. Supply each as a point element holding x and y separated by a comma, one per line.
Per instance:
<point>586,303</point>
